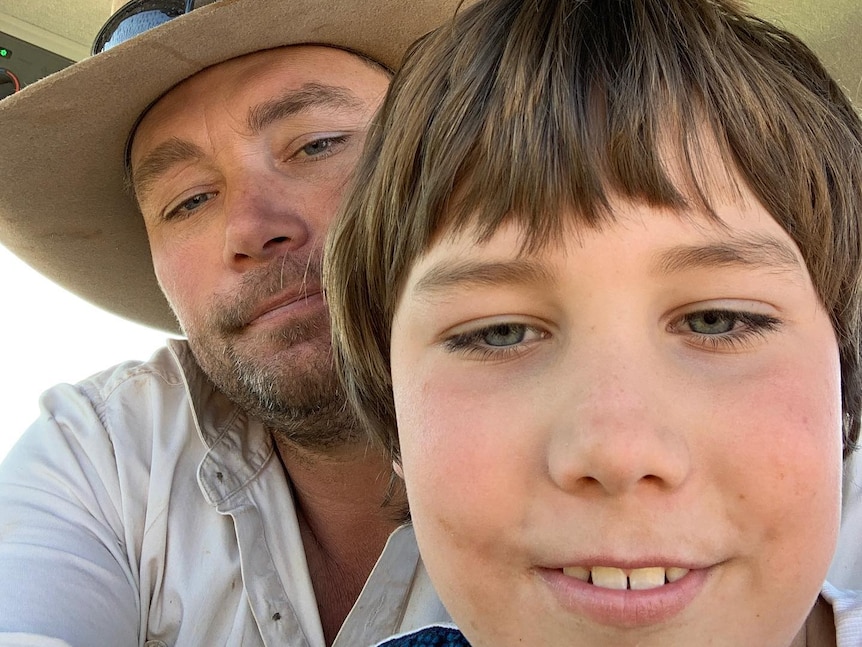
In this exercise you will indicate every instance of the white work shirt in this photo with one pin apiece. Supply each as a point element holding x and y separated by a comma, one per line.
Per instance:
<point>143,508</point>
<point>846,569</point>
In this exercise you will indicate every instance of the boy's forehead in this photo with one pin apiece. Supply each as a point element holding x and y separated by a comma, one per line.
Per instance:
<point>699,168</point>
<point>646,251</point>
<point>736,230</point>
<point>708,190</point>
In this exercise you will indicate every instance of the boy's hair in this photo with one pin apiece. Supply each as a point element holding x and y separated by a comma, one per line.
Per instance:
<point>521,109</point>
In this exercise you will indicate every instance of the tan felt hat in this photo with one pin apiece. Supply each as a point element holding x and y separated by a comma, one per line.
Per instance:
<point>63,208</point>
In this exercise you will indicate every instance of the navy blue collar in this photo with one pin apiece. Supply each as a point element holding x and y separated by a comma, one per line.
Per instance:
<point>429,637</point>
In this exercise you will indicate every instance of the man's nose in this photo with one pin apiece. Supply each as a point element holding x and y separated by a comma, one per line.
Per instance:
<point>620,427</point>
<point>262,221</point>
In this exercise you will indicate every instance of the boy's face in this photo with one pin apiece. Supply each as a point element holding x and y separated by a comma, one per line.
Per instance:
<point>655,402</point>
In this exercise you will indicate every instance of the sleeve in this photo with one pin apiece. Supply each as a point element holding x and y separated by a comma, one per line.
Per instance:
<point>65,571</point>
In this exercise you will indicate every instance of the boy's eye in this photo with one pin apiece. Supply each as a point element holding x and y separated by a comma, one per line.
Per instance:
<point>504,334</point>
<point>724,329</point>
<point>712,322</point>
<point>497,341</point>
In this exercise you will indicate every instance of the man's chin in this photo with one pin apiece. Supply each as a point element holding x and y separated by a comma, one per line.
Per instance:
<point>290,387</point>
<point>295,346</point>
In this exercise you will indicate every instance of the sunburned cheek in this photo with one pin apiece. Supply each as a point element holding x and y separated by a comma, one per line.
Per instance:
<point>455,456</point>
<point>169,278</point>
<point>178,285</point>
<point>186,270</point>
<point>800,411</point>
<point>432,422</point>
<point>783,456</point>
<point>440,467</point>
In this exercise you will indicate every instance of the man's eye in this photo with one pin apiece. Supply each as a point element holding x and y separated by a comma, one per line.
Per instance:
<point>322,147</point>
<point>188,206</point>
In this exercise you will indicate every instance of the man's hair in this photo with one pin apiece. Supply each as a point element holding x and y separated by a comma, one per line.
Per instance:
<point>521,110</point>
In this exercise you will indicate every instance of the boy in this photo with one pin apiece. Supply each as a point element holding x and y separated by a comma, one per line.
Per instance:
<point>601,265</point>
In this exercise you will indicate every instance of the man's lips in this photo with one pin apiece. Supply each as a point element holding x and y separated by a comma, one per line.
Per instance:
<point>282,303</point>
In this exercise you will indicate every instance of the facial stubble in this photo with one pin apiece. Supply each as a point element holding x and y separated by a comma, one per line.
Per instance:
<point>282,376</point>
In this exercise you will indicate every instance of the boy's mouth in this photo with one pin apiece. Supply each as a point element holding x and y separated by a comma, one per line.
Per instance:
<point>636,579</point>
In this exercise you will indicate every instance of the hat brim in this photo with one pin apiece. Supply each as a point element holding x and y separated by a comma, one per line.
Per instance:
<point>63,205</point>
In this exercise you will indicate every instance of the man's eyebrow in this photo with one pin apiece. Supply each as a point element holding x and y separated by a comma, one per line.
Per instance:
<point>160,160</point>
<point>307,96</point>
<point>467,274</point>
<point>756,251</point>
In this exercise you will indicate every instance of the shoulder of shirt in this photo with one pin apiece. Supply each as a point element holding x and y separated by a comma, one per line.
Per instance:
<point>169,379</point>
<point>132,400</point>
<point>169,364</point>
<point>847,610</point>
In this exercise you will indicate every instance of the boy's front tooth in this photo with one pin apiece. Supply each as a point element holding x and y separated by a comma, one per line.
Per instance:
<point>578,572</point>
<point>676,573</point>
<point>608,577</point>
<point>641,579</point>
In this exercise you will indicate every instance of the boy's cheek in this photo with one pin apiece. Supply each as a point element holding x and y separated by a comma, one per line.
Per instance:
<point>793,474</point>
<point>466,472</point>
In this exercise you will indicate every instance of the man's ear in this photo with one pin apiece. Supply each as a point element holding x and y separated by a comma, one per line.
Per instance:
<point>396,467</point>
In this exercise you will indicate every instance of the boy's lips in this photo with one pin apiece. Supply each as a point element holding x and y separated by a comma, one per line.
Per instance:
<point>617,595</point>
<point>636,579</point>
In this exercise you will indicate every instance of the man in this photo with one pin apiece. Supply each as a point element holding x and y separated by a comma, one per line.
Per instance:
<point>220,493</point>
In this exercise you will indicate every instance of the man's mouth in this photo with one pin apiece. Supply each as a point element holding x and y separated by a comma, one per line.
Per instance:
<point>273,307</point>
<point>635,579</point>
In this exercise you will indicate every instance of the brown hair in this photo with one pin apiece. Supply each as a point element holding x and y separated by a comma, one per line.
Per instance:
<point>522,108</point>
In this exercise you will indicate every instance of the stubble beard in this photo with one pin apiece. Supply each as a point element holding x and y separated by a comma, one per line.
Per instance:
<point>283,377</point>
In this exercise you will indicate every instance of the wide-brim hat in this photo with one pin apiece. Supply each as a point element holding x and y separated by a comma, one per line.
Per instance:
<point>63,205</point>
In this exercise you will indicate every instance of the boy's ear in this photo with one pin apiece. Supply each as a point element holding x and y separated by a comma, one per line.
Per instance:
<point>396,467</point>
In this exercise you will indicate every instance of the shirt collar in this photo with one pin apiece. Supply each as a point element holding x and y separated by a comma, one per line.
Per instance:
<point>237,447</point>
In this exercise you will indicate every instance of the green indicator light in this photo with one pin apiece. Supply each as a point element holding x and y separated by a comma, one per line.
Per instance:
<point>5,53</point>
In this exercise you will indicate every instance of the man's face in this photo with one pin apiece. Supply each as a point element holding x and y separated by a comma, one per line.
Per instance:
<point>238,172</point>
<point>629,438</point>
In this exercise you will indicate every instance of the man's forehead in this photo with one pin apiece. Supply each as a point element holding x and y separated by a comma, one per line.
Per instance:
<point>308,76</point>
<point>229,76</point>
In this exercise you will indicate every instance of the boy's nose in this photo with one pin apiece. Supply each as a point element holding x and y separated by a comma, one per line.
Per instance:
<point>262,222</point>
<point>619,428</point>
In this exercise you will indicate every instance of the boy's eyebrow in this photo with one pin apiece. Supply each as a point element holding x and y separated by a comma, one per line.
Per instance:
<point>757,251</point>
<point>465,274</point>
<point>176,151</point>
